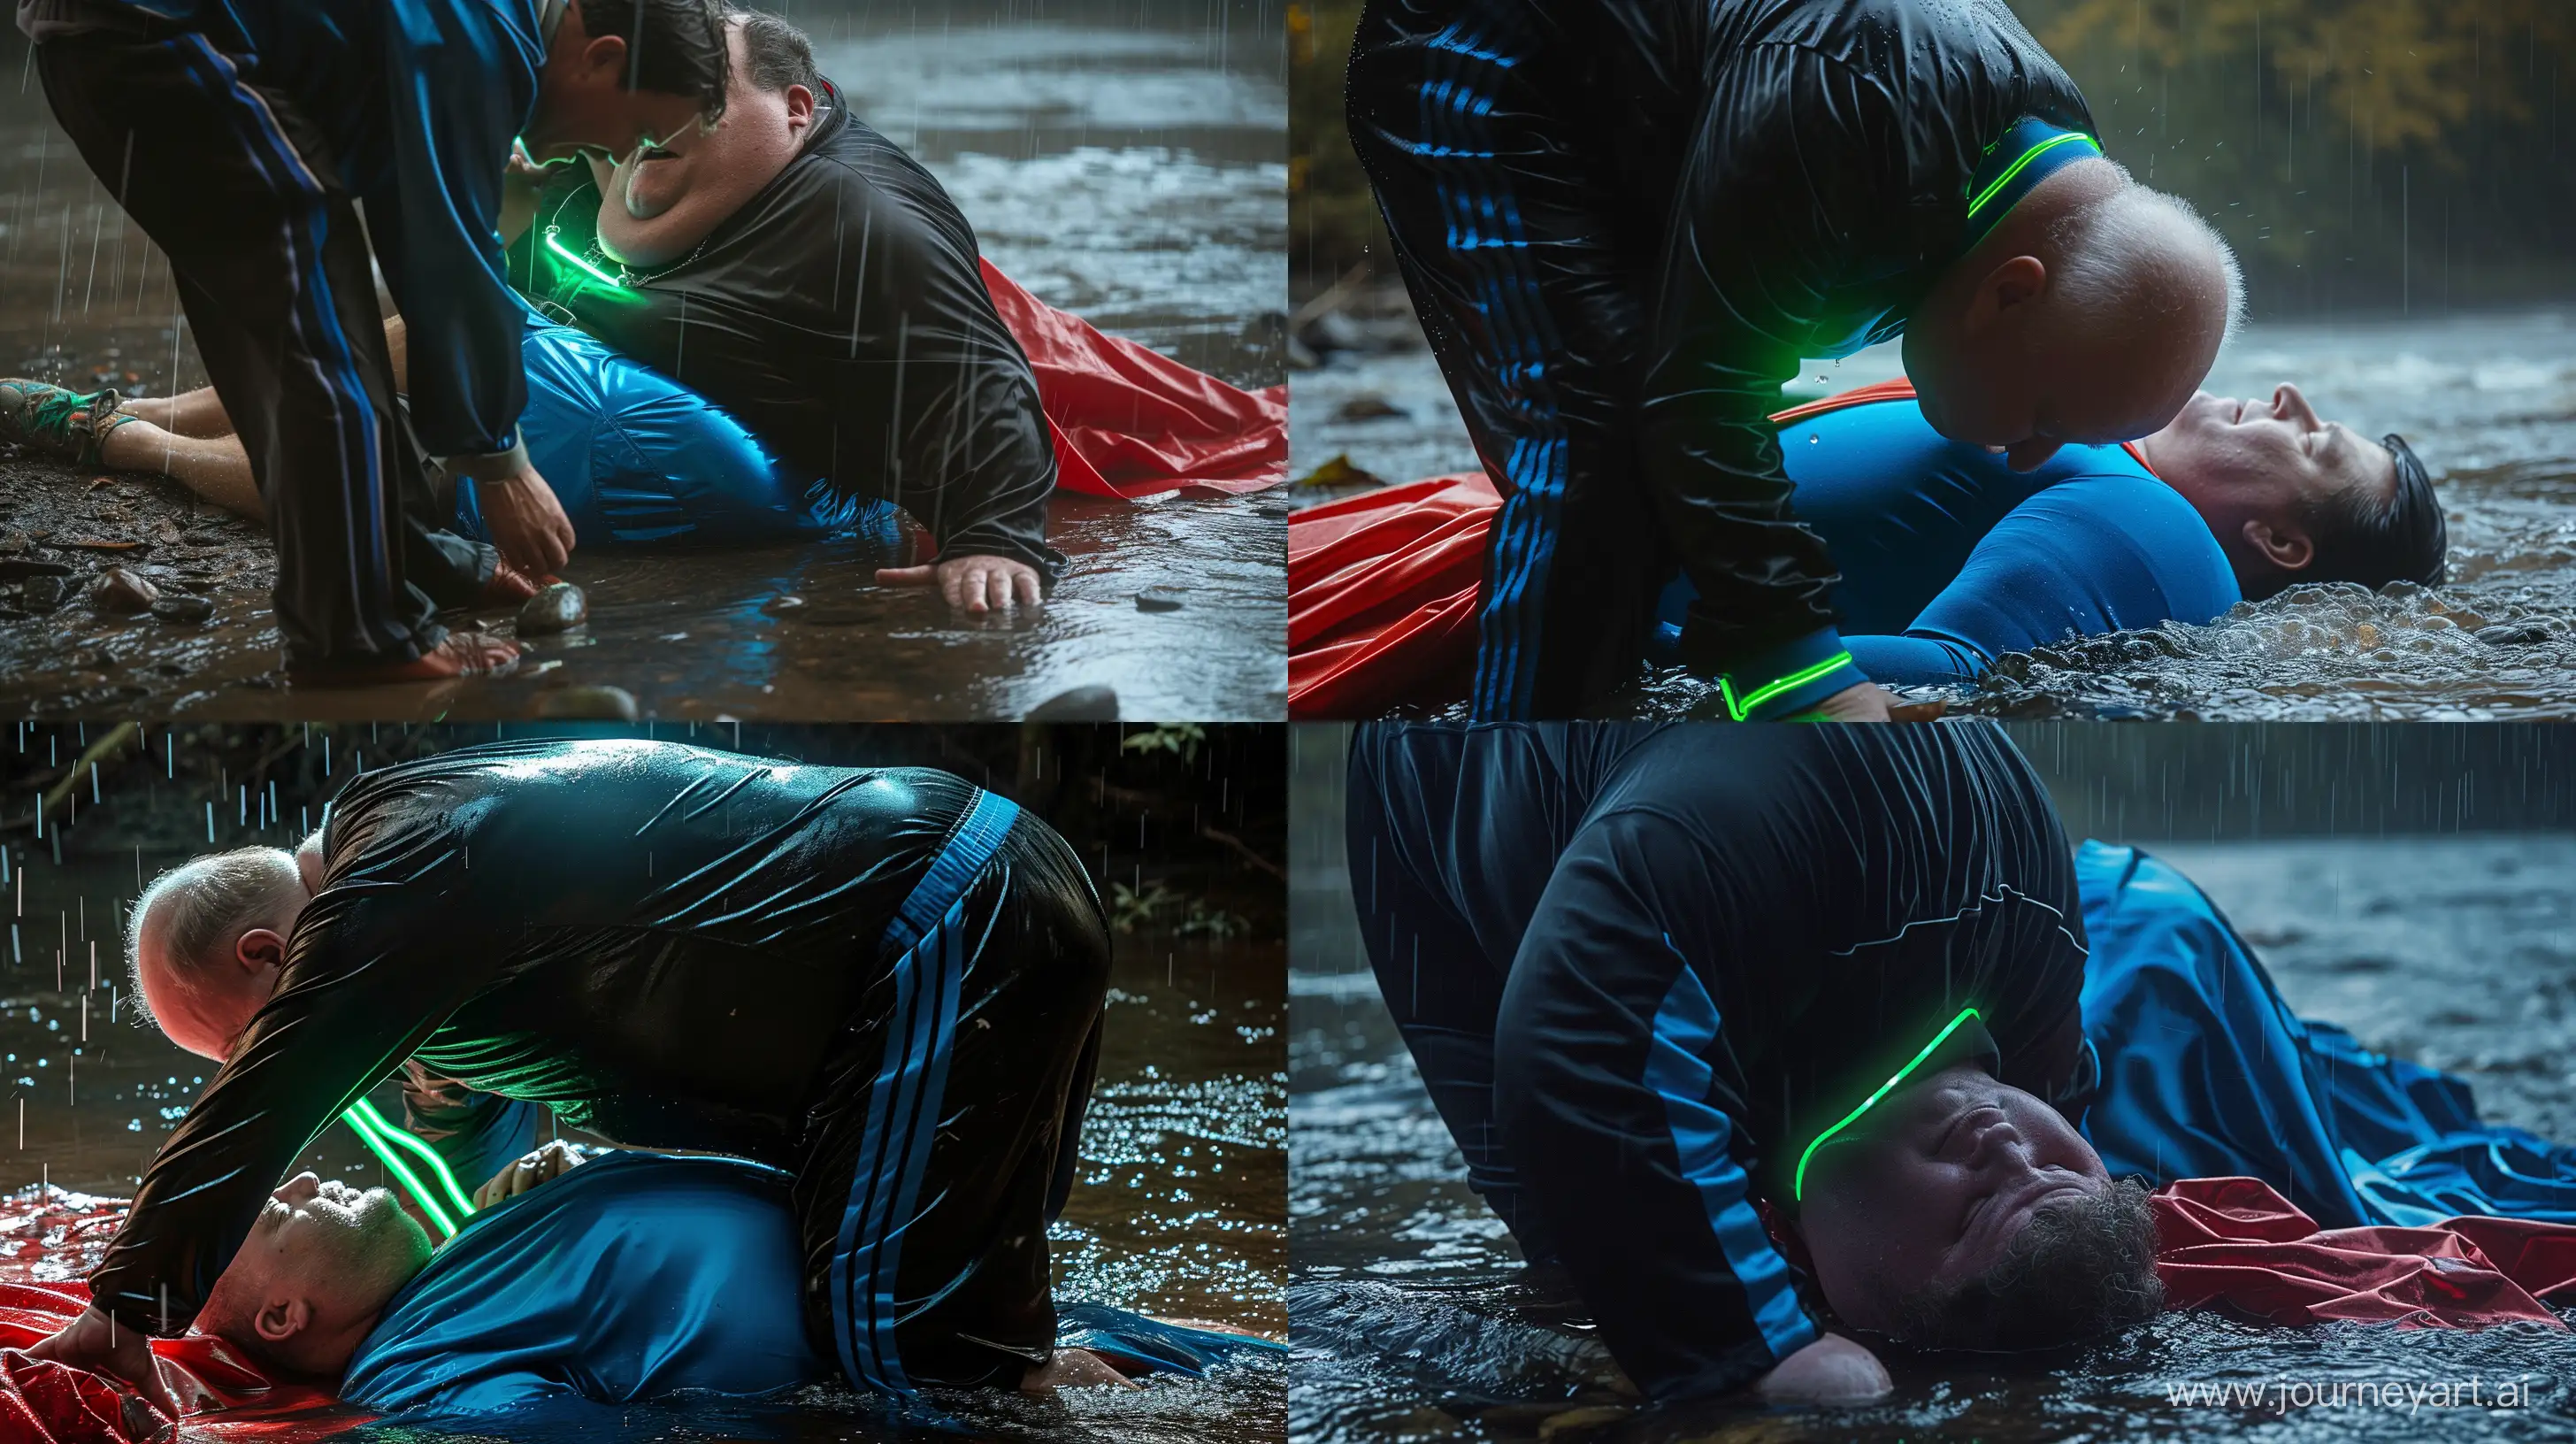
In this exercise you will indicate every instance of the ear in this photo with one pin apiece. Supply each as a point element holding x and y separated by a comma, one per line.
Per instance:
<point>260,949</point>
<point>282,1319</point>
<point>800,107</point>
<point>2290,549</point>
<point>605,56</point>
<point>2006,290</point>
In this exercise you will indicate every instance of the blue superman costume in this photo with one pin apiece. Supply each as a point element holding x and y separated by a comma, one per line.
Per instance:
<point>1949,559</point>
<point>2206,1073</point>
<point>638,1275</point>
<point>635,456</point>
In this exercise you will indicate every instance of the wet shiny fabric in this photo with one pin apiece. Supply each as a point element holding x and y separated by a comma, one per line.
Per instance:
<point>634,457</point>
<point>2233,1243</point>
<point>670,946</point>
<point>1952,559</point>
<point>632,1276</point>
<point>2207,1073</point>
<point>841,316</point>
<point>1617,270</point>
<point>1639,966</point>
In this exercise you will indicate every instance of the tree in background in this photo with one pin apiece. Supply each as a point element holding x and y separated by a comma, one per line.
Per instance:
<point>2357,152</point>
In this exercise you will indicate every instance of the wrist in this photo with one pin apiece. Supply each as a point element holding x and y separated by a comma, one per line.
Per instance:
<point>1788,678</point>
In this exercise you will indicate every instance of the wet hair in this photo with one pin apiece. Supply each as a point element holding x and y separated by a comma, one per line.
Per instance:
<point>2081,1268</point>
<point>673,47</point>
<point>775,54</point>
<point>2108,252</point>
<point>2361,538</point>
<point>203,905</point>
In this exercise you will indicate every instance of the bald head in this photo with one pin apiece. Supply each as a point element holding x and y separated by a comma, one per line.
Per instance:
<point>2089,314</point>
<point>208,940</point>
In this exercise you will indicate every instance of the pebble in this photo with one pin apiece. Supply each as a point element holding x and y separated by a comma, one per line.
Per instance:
<point>180,607</point>
<point>1081,704</point>
<point>592,703</point>
<point>557,608</point>
<point>1159,599</point>
<point>121,591</point>
<point>2514,634</point>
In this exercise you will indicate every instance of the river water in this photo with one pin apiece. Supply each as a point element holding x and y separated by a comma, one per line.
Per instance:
<point>1413,1320</point>
<point>2487,400</point>
<point>1175,1212</point>
<point>1125,162</point>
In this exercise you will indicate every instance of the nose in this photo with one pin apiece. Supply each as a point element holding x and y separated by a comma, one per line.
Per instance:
<point>2290,401</point>
<point>298,1190</point>
<point>1995,1144</point>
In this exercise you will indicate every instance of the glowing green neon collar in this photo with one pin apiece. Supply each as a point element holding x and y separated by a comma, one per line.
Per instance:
<point>389,1144</point>
<point>554,243</point>
<point>2029,151</point>
<point>1972,1040</point>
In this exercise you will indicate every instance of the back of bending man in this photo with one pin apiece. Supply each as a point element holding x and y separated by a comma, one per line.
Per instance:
<point>242,138</point>
<point>1623,222</point>
<point>1645,969</point>
<point>886,982</point>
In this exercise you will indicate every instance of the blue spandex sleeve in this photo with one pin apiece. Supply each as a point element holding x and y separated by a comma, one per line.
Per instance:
<point>2090,555</point>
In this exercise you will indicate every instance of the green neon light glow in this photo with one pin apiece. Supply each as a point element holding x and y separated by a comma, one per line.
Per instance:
<point>1764,693</point>
<point>1798,1185</point>
<point>387,1143</point>
<point>559,248</point>
<point>426,1154</point>
<point>2034,153</point>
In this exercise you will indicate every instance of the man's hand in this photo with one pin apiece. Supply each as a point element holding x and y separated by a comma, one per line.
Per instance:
<point>527,523</point>
<point>551,1161</point>
<point>1832,1370</point>
<point>522,181</point>
<point>97,1343</point>
<point>973,585</point>
<point>1864,703</point>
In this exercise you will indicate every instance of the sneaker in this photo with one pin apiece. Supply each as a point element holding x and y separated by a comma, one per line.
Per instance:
<point>59,423</point>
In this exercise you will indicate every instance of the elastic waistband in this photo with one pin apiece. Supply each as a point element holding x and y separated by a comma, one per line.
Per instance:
<point>960,860</point>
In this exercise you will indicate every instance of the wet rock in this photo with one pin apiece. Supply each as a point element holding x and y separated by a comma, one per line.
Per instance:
<point>2515,634</point>
<point>1370,407</point>
<point>1160,599</point>
<point>15,568</point>
<point>44,593</point>
<point>1339,472</point>
<point>1082,704</point>
<point>180,607</point>
<point>557,608</point>
<point>1272,511</point>
<point>122,593</point>
<point>614,704</point>
<point>14,543</point>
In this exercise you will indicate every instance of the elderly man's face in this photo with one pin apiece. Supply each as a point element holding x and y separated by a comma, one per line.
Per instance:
<point>207,1013</point>
<point>1932,1186</point>
<point>2025,383</point>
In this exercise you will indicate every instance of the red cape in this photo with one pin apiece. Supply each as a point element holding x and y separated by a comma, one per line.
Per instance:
<point>2235,1243</point>
<point>1130,422</point>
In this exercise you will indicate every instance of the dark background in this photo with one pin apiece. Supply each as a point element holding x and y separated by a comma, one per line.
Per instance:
<point>2367,155</point>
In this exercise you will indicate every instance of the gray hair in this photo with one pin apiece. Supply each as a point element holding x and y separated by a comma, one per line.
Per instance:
<point>206,903</point>
<point>2111,254</point>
